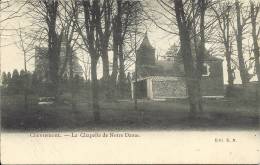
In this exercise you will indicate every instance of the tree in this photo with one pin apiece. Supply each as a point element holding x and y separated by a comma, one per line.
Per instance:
<point>172,52</point>
<point>184,15</point>
<point>241,23</point>
<point>9,77</point>
<point>95,32</point>
<point>47,17</point>
<point>104,33</point>
<point>54,43</point>
<point>92,39</point>
<point>200,56</point>
<point>222,12</point>
<point>15,85</point>
<point>200,50</point>
<point>128,13</point>
<point>9,12</point>
<point>35,83</point>
<point>254,10</point>
<point>70,38</point>
<point>117,47</point>
<point>24,83</point>
<point>4,79</point>
<point>7,7</point>
<point>75,87</point>
<point>56,21</point>
<point>192,81</point>
<point>194,26</point>
<point>8,82</point>
<point>22,75</point>
<point>26,49</point>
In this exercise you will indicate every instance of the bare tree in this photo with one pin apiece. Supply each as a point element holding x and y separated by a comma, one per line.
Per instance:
<point>26,49</point>
<point>254,10</point>
<point>92,39</point>
<point>225,37</point>
<point>190,18</point>
<point>123,23</point>
<point>45,15</point>
<point>192,81</point>
<point>200,49</point>
<point>201,54</point>
<point>70,38</point>
<point>241,22</point>
<point>98,14</point>
<point>54,43</point>
<point>105,33</point>
<point>57,21</point>
<point>10,9</point>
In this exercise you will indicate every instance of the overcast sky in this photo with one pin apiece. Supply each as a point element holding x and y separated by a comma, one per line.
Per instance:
<point>12,57</point>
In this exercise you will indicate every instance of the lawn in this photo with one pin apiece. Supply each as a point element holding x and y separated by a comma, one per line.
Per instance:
<point>120,115</point>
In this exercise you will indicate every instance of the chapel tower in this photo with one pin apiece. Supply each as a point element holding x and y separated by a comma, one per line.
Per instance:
<point>145,53</point>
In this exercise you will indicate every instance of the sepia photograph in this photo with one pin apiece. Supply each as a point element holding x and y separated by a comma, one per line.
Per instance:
<point>129,69</point>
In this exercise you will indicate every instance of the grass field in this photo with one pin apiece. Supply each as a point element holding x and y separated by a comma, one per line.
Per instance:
<point>120,115</point>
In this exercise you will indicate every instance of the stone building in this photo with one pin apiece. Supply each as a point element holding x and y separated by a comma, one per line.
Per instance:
<point>163,79</point>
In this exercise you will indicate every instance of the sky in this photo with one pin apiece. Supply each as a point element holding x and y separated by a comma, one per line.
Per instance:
<point>12,56</point>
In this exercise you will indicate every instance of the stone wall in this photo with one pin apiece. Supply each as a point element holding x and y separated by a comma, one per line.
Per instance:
<point>169,89</point>
<point>212,85</point>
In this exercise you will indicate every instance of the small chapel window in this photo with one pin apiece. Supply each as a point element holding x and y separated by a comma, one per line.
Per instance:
<point>205,70</point>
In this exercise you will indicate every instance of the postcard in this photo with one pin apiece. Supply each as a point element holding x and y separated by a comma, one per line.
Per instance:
<point>130,82</point>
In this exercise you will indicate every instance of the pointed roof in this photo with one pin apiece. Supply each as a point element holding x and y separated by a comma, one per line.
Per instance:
<point>146,43</point>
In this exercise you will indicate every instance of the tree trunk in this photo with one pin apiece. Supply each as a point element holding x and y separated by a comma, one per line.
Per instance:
<point>113,79</point>
<point>201,56</point>
<point>122,76</point>
<point>242,68</point>
<point>230,74</point>
<point>254,13</point>
<point>257,64</point>
<point>105,63</point>
<point>72,84</point>
<point>115,65</point>
<point>224,27</point>
<point>193,89</point>
<point>228,53</point>
<point>256,51</point>
<point>54,67</point>
<point>192,81</point>
<point>53,47</point>
<point>26,90</point>
<point>105,78</point>
<point>201,52</point>
<point>53,52</point>
<point>25,83</point>
<point>94,88</point>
